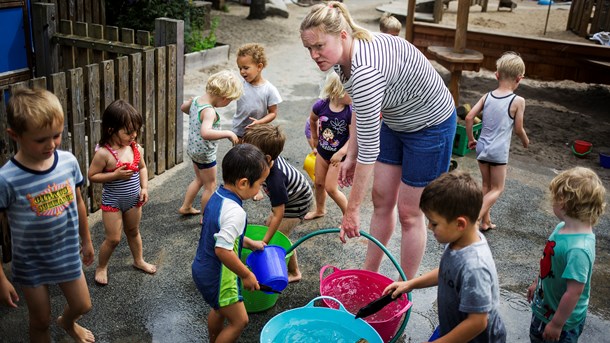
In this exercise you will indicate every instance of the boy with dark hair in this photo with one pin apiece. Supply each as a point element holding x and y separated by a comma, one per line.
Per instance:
<point>468,290</point>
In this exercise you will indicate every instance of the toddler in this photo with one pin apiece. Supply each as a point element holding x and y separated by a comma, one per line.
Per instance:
<point>258,104</point>
<point>502,110</point>
<point>389,24</point>
<point>204,133</point>
<point>40,191</point>
<point>332,115</point>
<point>287,188</point>
<point>119,164</point>
<point>217,266</point>
<point>560,293</point>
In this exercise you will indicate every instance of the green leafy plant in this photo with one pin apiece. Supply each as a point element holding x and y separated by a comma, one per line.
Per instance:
<point>196,41</point>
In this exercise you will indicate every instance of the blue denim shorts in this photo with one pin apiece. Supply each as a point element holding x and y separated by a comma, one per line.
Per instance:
<point>424,155</point>
<point>567,336</point>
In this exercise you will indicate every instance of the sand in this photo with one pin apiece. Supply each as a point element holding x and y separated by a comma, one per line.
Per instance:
<point>556,114</point>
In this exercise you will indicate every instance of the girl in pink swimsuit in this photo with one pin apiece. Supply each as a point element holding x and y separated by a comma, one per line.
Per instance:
<point>119,166</point>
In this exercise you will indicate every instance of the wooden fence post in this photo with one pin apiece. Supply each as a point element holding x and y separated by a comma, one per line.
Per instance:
<point>171,31</point>
<point>93,126</point>
<point>160,110</point>
<point>172,117</point>
<point>58,87</point>
<point>148,110</point>
<point>44,26</point>
<point>76,111</point>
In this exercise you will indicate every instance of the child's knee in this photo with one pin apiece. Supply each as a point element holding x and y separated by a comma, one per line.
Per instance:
<point>113,242</point>
<point>40,321</point>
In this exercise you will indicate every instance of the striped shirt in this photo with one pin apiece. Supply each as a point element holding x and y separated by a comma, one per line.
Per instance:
<point>42,213</point>
<point>287,186</point>
<point>391,76</point>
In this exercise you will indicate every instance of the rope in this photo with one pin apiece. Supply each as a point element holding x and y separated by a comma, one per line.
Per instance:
<point>383,248</point>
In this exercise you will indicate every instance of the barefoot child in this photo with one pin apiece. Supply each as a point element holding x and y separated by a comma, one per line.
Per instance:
<point>119,164</point>
<point>502,111</point>
<point>334,113</point>
<point>389,24</point>
<point>468,292</point>
<point>258,105</point>
<point>287,188</point>
<point>204,134</point>
<point>560,293</point>
<point>40,192</point>
<point>217,265</point>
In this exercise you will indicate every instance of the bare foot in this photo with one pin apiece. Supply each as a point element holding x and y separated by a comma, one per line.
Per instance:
<point>77,332</point>
<point>188,211</point>
<point>487,227</point>
<point>258,196</point>
<point>101,276</point>
<point>314,215</point>
<point>145,267</point>
<point>294,276</point>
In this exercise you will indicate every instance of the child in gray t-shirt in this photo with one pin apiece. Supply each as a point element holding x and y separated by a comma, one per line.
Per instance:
<point>468,290</point>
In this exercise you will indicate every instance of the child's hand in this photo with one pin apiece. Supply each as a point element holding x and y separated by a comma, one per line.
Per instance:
<point>472,144</point>
<point>525,142</point>
<point>397,288</point>
<point>250,283</point>
<point>257,245</point>
<point>552,332</point>
<point>336,159</point>
<point>8,295</point>
<point>143,196</point>
<point>122,173</point>
<point>233,138</point>
<point>531,290</point>
<point>88,254</point>
<point>254,122</point>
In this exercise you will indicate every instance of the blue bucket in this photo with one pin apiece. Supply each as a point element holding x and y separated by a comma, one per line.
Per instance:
<point>318,324</point>
<point>269,267</point>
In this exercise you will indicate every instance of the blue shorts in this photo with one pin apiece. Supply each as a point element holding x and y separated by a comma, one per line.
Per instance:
<point>424,155</point>
<point>205,165</point>
<point>567,336</point>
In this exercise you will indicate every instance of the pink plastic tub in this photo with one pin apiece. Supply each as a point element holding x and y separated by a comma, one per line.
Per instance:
<point>355,288</point>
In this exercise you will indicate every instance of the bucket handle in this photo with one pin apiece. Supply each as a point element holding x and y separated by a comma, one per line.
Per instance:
<point>579,154</point>
<point>312,302</point>
<point>335,269</point>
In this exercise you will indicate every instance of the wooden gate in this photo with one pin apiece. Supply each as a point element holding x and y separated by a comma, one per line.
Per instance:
<point>588,17</point>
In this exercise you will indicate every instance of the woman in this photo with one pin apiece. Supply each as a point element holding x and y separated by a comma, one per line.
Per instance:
<point>408,148</point>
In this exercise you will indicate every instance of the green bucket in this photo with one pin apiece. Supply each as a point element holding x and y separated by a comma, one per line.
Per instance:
<point>258,301</point>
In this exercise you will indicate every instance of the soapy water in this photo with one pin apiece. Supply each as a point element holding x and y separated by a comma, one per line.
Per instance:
<point>357,291</point>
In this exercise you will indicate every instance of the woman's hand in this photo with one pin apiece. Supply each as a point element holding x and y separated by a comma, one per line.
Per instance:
<point>350,226</point>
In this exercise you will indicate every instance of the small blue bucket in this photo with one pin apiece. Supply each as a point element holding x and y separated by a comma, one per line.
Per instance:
<point>269,267</point>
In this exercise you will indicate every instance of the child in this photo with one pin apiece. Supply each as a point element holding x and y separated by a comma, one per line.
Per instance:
<point>389,24</point>
<point>287,188</point>
<point>204,133</point>
<point>258,105</point>
<point>334,113</point>
<point>119,164</point>
<point>503,110</point>
<point>560,293</point>
<point>217,266</point>
<point>40,190</point>
<point>468,291</point>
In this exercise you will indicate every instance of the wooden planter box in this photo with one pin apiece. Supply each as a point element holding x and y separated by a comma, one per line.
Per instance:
<point>207,58</point>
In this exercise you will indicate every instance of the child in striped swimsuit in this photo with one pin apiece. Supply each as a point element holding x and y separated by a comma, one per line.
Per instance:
<point>119,166</point>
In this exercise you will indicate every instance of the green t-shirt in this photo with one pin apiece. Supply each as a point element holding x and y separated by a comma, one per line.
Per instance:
<point>565,257</point>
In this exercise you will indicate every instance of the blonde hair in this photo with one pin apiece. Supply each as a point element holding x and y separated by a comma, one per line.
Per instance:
<point>333,88</point>
<point>332,18</point>
<point>33,109</point>
<point>255,51</point>
<point>225,84</point>
<point>510,65</point>
<point>580,193</point>
<point>389,24</point>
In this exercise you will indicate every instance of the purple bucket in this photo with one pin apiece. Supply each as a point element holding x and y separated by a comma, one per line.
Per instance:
<point>269,267</point>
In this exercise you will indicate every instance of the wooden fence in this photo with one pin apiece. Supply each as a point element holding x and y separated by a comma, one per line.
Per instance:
<point>150,78</point>
<point>89,11</point>
<point>589,16</point>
